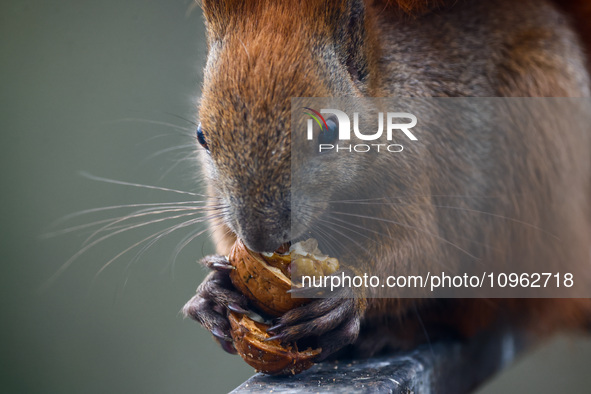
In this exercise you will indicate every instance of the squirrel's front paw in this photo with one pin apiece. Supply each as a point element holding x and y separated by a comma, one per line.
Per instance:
<point>214,297</point>
<point>334,321</point>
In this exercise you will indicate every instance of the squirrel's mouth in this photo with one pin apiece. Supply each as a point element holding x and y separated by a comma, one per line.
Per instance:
<point>283,248</point>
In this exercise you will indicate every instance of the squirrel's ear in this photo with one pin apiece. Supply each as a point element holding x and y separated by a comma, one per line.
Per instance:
<point>353,41</point>
<point>354,34</point>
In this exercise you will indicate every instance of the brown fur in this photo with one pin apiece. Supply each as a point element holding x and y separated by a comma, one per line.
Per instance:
<point>261,53</point>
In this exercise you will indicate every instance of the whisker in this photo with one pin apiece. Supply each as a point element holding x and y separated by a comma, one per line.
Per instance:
<point>141,214</point>
<point>394,239</point>
<point>98,222</point>
<point>149,121</point>
<point>181,118</point>
<point>74,228</point>
<point>156,137</point>
<point>128,266</point>
<point>388,236</point>
<point>410,227</point>
<point>407,196</point>
<point>159,235</point>
<point>116,182</point>
<point>323,235</point>
<point>113,207</point>
<point>336,246</point>
<point>347,228</point>
<point>365,202</point>
<point>64,266</point>
<point>184,242</point>
<point>350,239</point>
<point>500,217</point>
<point>191,156</point>
<point>226,233</point>
<point>170,149</point>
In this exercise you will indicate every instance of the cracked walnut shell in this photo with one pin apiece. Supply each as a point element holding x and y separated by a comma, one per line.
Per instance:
<point>270,357</point>
<point>265,280</point>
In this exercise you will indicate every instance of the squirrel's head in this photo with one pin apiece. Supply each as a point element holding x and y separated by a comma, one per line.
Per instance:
<point>261,54</point>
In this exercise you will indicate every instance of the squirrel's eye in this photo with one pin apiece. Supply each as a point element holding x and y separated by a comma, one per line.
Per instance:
<point>201,138</point>
<point>330,135</point>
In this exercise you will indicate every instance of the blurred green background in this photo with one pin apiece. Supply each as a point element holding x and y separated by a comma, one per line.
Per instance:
<point>103,87</point>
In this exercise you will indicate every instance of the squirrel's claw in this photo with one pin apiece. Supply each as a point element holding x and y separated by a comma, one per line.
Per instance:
<point>334,321</point>
<point>217,263</point>
<point>214,297</point>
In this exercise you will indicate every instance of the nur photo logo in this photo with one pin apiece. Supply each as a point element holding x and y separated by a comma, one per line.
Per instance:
<point>338,126</point>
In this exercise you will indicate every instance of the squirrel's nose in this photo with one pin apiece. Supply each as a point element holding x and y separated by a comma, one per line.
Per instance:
<point>262,242</point>
<point>264,235</point>
<point>263,228</point>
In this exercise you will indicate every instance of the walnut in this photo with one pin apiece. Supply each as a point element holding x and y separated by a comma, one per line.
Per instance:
<point>270,357</point>
<point>265,285</point>
<point>265,280</point>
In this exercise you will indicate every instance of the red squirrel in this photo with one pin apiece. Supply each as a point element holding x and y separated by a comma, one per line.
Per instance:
<point>261,53</point>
